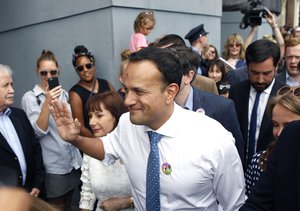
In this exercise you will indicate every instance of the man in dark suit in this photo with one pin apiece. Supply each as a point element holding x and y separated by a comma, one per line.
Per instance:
<point>279,186</point>
<point>291,74</point>
<point>251,96</point>
<point>19,149</point>
<point>214,106</point>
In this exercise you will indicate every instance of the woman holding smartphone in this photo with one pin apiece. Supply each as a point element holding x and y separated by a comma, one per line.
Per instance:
<point>62,160</point>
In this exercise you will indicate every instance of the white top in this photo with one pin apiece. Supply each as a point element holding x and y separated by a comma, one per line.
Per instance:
<point>205,163</point>
<point>59,156</point>
<point>263,101</point>
<point>102,182</point>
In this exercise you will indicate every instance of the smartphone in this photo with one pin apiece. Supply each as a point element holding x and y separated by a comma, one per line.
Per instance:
<point>53,82</point>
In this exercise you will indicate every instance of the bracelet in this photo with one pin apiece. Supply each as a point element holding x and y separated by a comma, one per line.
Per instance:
<point>131,202</point>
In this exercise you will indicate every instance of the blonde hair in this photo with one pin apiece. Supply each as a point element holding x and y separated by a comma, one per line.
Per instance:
<point>288,101</point>
<point>143,19</point>
<point>234,38</point>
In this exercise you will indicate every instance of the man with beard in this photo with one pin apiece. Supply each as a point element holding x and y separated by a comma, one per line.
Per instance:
<point>251,96</point>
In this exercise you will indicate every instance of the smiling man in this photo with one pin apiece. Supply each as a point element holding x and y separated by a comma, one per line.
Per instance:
<point>199,153</point>
<point>251,96</point>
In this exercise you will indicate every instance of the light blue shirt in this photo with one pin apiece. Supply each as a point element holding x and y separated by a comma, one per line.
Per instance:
<point>59,157</point>
<point>199,70</point>
<point>290,81</point>
<point>10,134</point>
<point>189,100</point>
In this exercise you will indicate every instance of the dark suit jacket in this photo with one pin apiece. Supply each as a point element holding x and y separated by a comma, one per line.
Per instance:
<point>32,151</point>
<point>240,93</point>
<point>279,186</point>
<point>222,110</point>
<point>281,76</point>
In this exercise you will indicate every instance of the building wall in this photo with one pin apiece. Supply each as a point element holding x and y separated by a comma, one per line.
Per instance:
<point>104,27</point>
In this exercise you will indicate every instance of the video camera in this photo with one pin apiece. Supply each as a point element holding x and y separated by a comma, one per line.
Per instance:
<point>254,11</point>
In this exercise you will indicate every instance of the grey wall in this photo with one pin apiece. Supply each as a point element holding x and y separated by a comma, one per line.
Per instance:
<point>104,27</point>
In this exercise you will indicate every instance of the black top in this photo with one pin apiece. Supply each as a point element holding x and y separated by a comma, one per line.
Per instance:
<point>84,95</point>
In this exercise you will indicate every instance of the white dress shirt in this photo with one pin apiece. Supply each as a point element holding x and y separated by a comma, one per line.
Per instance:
<point>263,101</point>
<point>206,167</point>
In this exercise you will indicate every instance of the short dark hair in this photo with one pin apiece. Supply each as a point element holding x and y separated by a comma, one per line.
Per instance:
<point>260,50</point>
<point>170,39</point>
<point>189,59</point>
<point>111,100</point>
<point>165,60</point>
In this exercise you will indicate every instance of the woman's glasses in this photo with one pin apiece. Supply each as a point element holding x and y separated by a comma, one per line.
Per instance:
<point>80,68</point>
<point>288,89</point>
<point>235,45</point>
<point>52,72</point>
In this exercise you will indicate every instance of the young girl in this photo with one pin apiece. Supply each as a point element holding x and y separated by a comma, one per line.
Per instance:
<point>143,25</point>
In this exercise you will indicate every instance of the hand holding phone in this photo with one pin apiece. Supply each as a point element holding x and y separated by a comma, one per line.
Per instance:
<point>53,82</point>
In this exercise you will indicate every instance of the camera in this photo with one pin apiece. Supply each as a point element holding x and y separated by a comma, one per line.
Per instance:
<point>253,12</point>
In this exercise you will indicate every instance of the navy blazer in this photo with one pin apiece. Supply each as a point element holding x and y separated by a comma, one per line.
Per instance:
<point>279,186</point>
<point>35,177</point>
<point>240,94</point>
<point>281,76</point>
<point>222,110</point>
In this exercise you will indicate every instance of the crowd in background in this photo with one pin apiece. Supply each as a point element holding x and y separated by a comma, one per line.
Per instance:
<point>252,89</point>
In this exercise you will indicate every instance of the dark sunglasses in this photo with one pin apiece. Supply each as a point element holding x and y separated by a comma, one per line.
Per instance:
<point>44,72</point>
<point>235,45</point>
<point>288,89</point>
<point>88,66</point>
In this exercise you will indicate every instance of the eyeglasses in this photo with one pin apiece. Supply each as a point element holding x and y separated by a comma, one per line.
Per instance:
<point>235,45</point>
<point>44,72</point>
<point>288,89</point>
<point>88,66</point>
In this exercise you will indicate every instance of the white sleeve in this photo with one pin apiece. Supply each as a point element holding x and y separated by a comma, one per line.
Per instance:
<point>87,196</point>
<point>229,182</point>
<point>33,110</point>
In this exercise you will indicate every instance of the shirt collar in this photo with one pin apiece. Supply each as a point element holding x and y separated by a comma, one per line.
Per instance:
<point>7,112</point>
<point>189,100</point>
<point>267,90</point>
<point>37,90</point>
<point>171,126</point>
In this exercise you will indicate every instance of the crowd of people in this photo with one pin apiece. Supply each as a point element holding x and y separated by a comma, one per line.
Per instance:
<point>190,129</point>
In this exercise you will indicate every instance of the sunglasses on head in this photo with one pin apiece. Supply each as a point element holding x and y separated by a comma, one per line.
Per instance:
<point>288,89</point>
<point>80,68</point>
<point>44,72</point>
<point>235,45</point>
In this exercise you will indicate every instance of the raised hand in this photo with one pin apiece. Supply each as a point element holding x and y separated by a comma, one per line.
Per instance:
<point>68,128</point>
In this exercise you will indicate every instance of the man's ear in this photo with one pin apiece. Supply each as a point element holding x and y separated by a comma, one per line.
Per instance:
<point>191,75</point>
<point>171,92</point>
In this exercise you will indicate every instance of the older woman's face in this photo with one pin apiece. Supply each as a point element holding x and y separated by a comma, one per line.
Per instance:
<point>280,117</point>
<point>101,122</point>
<point>85,69</point>
<point>235,48</point>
